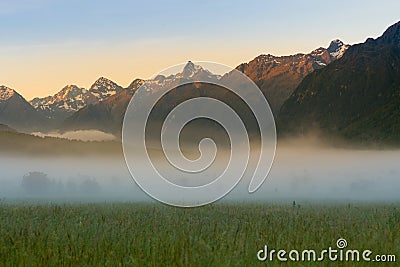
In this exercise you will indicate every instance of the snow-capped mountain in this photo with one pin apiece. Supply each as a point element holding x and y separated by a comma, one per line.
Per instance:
<point>190,72</point>
<point>103,88</point>
<point>356,97</point>
<point>336,49</point>
<point>135,84</point>
<point>107,115</point>
<point>72,98</point>
<point>17,113</point>
<point>5,93</point>
<point>278,76</point>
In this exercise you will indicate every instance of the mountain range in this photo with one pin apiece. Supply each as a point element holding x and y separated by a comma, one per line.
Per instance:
<point>278,77</point>
<point>102,106</point>
<point>352,91</point>
<point>356,97</point>
<point>283,79</point>
<point>72,98</point>
<point>104,115</point>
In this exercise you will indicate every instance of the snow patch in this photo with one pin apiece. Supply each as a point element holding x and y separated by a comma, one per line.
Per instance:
<point>6,93</point>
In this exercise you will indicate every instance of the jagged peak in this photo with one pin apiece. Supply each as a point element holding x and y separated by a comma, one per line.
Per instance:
<point>265,56</point>
<point>72,87</point>
<point>337,48</point>
<point>318,52</point>
<point>6,93</point>
<point>190,69</point>
<point>3,87</point>
<point>70,98</point>
<point>71,91</point>
<point>104,81</point>
<point>336,41</point>
<point>334,45</point>
<point>135,84</point>
<point>189,65</point>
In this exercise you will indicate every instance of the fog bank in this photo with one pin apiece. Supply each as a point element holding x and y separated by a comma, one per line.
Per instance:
<point>299,173</point>
<point>81,135</point>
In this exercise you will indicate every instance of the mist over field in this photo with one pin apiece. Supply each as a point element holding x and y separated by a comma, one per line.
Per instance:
<point>302,171</point>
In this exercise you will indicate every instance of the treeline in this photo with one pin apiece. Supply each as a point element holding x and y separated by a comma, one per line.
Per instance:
<point>38,183</point>
<point>19,143</point>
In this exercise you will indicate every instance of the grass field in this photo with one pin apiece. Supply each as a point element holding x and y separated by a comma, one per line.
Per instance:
<point>216,235</point>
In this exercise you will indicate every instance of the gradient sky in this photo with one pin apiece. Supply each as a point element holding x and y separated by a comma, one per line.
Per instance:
<point>47,44</point>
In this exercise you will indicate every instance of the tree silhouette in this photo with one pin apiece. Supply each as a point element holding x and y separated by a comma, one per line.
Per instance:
<point>36,183</point>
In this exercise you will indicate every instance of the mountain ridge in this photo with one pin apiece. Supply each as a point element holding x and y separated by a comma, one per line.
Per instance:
<point>72,98</point>
<point>17,113</point>
<point>278,76</point>
<point>356,97</point>
<point>352,91</point>
<point>106,115</point>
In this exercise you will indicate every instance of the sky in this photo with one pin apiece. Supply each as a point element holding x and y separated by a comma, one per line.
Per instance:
<point>47,44</point>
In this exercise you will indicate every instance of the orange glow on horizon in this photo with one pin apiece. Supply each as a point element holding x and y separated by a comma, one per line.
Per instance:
<point>44,70</point>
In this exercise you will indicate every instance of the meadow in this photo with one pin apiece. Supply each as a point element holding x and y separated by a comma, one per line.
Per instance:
<point>134,234</point>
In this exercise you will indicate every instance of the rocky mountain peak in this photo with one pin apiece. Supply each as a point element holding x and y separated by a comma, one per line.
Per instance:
<point>69,99</point>
<point>103,88</point>
<point>337,48</point>
<point>6,93</point>
<point>17,113</point>
<point>135,84</point>
<point>190,70</point>
<point>102,81</point>
<point>334,45</point>
<point>69,91</point>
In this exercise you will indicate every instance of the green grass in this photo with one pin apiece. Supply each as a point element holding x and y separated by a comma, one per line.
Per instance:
<point>215,235</point>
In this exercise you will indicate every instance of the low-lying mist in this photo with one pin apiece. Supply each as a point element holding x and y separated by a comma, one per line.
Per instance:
<point>81,135</point>
<point>302,171</point>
